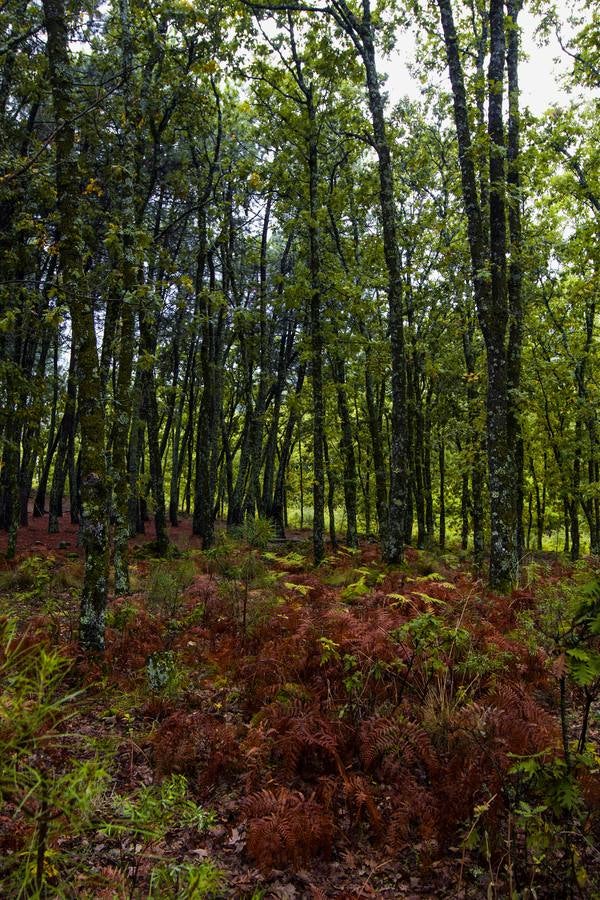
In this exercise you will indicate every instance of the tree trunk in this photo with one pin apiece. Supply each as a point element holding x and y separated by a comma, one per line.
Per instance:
<point>393,549</point>
<point>278,509</point>
<point>123,395</point>
<point>464,511</point>
<point>94,483</point>
<point>316,336</point>
<point>330,495</point>
<point>39,503</point>
<point>490,289</point>
<point>375,432</point>
<point>347,451</point>
<point>442,464</point>
<point>515,269</point>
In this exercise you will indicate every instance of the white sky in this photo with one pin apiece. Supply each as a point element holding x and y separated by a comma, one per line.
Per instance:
<point>539,73</point>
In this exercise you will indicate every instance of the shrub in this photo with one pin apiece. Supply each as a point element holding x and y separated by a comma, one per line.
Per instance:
<point>258,532</point>
<point>47,790</point>
<point>167,581</point>
<point>186,881</point>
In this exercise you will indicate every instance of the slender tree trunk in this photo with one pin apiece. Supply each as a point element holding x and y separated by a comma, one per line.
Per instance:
<point>210,412</point>
<point>429,522</point>
<point>179,442</point>
<point>278,509</point>
<point>347,450</point>
<point>156,472</point>
<point>489,286</point>
<point>268,487</point>
<point>567,525</point>
<point>74,472</point>
<point>442,465</point>
<point>330,494</point>
<point>393,549</point>
<point>135,455</point>
<point>464,509</point>
<point>375,432</point>
<point>10,481</point>
<point>501,414</point>
<point>315,301</point>
<point>39,503</point>
<point>392,536</point>
<point>477,453</point>
<point>65,438</point>
<point>575,494</point>
<point>122,416</point>
<point>418,479</point>
<point>316,336</point>
<point>540,501</point>
<point>253,500</point>
<point>515,269</point>
<point>94,483</point>
<point>30,443</point>
<point>301,468</point>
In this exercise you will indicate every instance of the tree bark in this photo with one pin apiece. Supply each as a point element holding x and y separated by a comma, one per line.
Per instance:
<point>94,482</point>
<point>393,549</point>
<point>442,466</point>
<point>129,267</point>
<point>347,450</point>
<point>490,288</point>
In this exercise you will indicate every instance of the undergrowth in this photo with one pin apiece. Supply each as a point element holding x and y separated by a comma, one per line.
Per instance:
<point>409,715</point>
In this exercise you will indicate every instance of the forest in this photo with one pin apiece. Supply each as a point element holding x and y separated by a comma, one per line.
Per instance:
<point>299,450</point>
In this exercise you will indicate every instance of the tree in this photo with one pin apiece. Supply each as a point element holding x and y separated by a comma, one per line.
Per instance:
<point>495,264</point>
<point>94,477</point>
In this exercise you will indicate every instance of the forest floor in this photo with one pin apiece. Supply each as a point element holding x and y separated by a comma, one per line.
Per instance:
<point>260,729</point>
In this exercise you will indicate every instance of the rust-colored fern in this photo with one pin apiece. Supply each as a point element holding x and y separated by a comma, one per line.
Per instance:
<point>285,830</point>
<point>196,745</point>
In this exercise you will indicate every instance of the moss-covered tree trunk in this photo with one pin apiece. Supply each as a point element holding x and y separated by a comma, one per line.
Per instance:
<point>66,430</point>
<point>347,450</point>
<point>316,333</point>
<point>124,354</point>
<point>487,235</point>
<point>39,503</point>
<point>148,345</point>
<point>253,499</point>
<point>286,349</point>
<point>94,482</point>
<point>442,469</point>
<point>278,507</point>
<point>375,433</point>
<point>209,425</point>
<point>515,267</point>
<point>399,449</point>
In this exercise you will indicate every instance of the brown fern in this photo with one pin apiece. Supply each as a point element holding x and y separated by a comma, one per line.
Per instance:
<point>395,738</point>
<point>196,745</point>
<point>285,830</point>
<point>300,732</point>
<point>415,815</point>
<point>360,797</point>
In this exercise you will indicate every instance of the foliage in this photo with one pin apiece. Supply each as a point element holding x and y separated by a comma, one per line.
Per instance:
<point>156,809</point>
<point>186,880</point>
<point>417,726</point>
<point>47,789</point>
<point>258,532</point>
<point>162,672</point>
<point>166,583</point>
